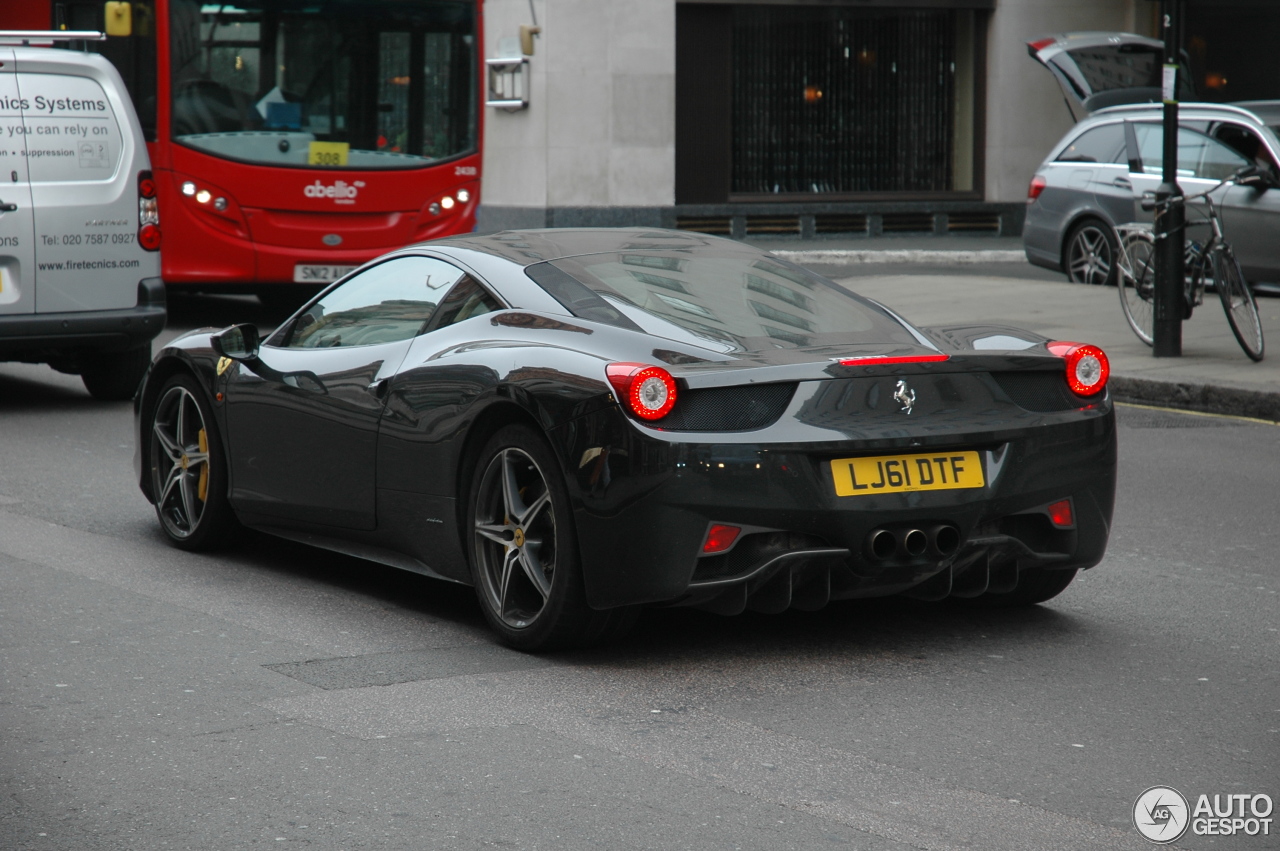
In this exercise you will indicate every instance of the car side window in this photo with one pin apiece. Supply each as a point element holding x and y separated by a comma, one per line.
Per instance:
<point>1104,144</point>
<point>1198,155</point>
<point>464,301</point>
<point>1247,143</point>
<point>389,302</point>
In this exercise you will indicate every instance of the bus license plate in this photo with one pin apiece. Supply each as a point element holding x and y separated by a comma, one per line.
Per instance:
<point>304,274</point>
<point>934,471</point>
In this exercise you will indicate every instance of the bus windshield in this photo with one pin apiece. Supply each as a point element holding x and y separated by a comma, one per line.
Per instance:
<point>365,84</point>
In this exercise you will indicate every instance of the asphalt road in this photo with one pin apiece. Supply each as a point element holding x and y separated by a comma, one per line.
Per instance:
<point>277,696</point>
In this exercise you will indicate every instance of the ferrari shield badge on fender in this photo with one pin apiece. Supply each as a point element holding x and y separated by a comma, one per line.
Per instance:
<point>223,363</point>
<point>904,396</point>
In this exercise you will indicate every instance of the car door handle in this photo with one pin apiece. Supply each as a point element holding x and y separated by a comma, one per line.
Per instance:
<point>7,208</point>
<point>378,388</point>
<point>1122,183</point>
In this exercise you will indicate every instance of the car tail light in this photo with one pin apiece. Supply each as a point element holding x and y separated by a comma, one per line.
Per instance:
<point>148,212</point>
<point>1034,47</point>
<point>648,392</point>
<point>720,538</point>
<point>1087,367</point>
<point>1061,515</point>
<point>1038,183</point>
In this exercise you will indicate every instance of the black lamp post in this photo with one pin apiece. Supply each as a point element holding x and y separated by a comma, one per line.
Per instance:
<point>1170,259</point>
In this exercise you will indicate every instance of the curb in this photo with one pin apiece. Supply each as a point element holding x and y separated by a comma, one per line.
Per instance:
<point>937,257</point>
<point>1205,398</point>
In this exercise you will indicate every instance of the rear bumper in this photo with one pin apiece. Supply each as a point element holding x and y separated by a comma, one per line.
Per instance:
<point>644,511</point>
<point>37,336</point>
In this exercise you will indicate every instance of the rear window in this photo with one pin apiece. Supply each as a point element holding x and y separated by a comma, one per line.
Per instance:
<point>726,301</point>
<point>1103,144</point>
<point>71,131</point>
<point>1107,67</point>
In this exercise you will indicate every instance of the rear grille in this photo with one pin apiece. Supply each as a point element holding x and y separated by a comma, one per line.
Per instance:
<point>719,225</point>
<point>907,222</point>
<point>840,223</point>
<point>977,222</point>
<point>774,224</point>
<point>1042,392</point>
<point>729,408</point>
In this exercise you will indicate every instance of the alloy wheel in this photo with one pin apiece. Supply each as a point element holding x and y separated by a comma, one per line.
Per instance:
<point>180,461</point>
<point>515,537</point>
<point>1090,256</point>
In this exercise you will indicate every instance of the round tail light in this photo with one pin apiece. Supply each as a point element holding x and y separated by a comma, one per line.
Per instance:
<point>1087,367</point>
<point>149,237</point>
<point>648,392</point>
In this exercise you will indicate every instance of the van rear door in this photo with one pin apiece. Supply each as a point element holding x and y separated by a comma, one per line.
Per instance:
<point>17,230</point>
<point>1100,69</point>
<point>84,153</point>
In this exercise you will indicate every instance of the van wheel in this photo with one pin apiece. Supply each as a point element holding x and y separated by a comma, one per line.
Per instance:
<point>115,376</point>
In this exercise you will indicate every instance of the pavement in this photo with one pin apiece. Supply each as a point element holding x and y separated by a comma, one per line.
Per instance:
<point>988,280</point>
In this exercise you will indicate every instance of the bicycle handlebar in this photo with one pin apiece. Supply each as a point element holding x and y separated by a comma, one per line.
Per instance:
<point>1149,204</point>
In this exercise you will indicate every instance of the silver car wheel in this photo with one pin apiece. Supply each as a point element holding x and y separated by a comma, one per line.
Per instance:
<point>1090,255</point>
<point>180,461</point>
<point>515,544</point>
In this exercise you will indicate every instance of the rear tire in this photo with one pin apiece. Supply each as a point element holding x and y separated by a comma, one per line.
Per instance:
<point>524,550</point>
<point>1238,302</point>
<point>1090,254</point>
<point>115,376</point>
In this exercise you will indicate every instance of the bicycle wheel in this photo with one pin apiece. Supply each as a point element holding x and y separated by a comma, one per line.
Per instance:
<point>1237,301</point>
<point>1137,280</point>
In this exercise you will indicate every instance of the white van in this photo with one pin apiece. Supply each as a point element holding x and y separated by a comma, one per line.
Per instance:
<point>80,285</point>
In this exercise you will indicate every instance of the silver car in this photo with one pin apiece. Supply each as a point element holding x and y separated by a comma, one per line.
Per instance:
<point>1095,176</point>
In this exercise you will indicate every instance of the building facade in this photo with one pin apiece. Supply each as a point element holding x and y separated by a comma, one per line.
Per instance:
<point>806,117</point>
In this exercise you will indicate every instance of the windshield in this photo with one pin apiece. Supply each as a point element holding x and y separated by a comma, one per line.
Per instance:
<point>325,83</point>
<point>726,302</point>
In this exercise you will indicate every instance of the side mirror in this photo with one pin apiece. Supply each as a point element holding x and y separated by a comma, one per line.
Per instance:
<point>239,342</point>
<point>1254,177</point>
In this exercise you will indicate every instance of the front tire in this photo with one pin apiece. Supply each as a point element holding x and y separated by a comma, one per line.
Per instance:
<point>524,550</point>
<point>1238,302</point>
<point>1090,255</point>
<point>188,470</point>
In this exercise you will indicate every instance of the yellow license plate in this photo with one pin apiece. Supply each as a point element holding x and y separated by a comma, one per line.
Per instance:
<point>935,471</point>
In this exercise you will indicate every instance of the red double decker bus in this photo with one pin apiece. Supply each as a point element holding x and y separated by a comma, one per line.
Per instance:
<point>294,139</point>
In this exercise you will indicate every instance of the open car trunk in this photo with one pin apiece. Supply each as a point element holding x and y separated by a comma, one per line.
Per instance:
<point>1101,69</point>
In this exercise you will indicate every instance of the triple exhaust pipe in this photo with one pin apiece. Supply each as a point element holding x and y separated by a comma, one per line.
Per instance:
<point>937,541</point>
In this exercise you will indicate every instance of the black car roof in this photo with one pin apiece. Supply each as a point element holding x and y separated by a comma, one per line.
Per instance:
<point>527,247</point>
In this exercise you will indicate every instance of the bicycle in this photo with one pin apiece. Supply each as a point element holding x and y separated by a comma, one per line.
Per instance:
<point>1213,263</point>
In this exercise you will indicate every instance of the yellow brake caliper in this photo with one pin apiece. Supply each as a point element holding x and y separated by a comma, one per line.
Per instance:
<point>202,486</point>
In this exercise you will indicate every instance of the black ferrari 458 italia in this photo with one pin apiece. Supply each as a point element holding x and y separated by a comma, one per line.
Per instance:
<point>583,422</point>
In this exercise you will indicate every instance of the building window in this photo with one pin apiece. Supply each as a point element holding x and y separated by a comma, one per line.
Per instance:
<point>825,101</point>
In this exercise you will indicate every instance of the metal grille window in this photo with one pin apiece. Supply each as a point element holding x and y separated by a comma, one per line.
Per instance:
<point>839,100</point>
